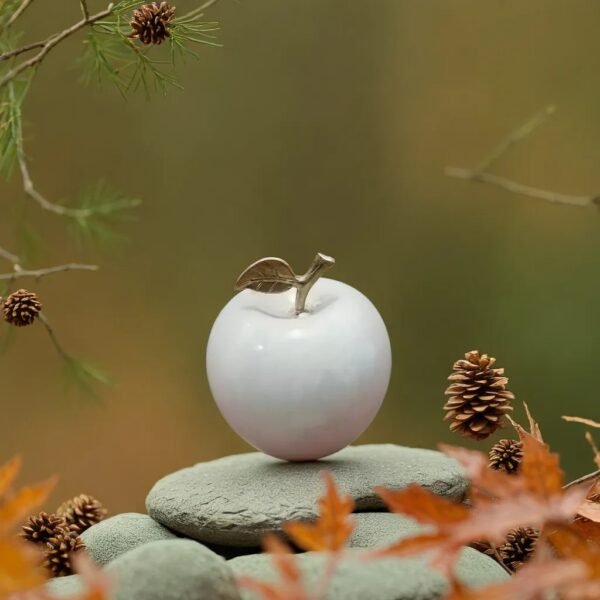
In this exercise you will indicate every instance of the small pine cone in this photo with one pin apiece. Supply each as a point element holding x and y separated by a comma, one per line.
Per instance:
<point>479,398</point>
<point>81,512</point>
<point>149,22</point>
<point>59,550</point>
<point>39,529</point>
<point>518,547</point>
<point>506,456</point>
<point>21,308</point>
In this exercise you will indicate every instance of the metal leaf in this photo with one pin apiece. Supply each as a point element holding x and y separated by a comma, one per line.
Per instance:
<point>268,275</point>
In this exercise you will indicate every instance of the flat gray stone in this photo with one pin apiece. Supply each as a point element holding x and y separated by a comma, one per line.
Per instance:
<point>65,587</point>
<point>115,536</point>
<point>235,500</point>
<point>172,570</point>
<point>372,530</point>
<point>384,579</point>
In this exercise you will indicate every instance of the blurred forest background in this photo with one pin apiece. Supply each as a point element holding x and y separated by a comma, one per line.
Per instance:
<point>321,125</point>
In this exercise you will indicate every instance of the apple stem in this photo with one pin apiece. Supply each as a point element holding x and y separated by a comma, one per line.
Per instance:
<point>318,266</point>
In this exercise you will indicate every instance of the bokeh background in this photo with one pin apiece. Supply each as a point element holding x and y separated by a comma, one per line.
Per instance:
<point>319,126</point>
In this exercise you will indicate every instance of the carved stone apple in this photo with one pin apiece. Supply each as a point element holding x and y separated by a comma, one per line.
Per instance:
<point>298,375</point>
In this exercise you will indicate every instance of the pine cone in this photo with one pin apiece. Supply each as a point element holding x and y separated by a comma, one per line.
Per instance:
<point>59,550</point>
<point>518,547</point>
<point>21,308</point>
<point>41,528</point>
<point>149,22</point>
<point>479,398</point>
<point>506,456</point>
<point>81,512</point>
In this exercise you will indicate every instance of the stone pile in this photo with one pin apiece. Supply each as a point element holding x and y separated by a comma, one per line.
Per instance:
<point>205,523</point>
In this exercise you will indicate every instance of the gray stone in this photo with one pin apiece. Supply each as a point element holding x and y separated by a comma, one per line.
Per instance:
<point>372,530</point>
<point>235,500</point>
<point>356,578</point>
<point>64,587</point>
<point>115,536</point>
<point>172,570</point>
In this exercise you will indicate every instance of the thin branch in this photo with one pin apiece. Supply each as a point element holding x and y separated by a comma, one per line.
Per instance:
<point>514,137</point>
<point>63,353</point>
<point>520,188</point>
<point>17,51</point>
<point>199,10</point>
<point>85,11</point>
<point>9,256</point>
<point>40,273</point>
<point>51,43</point>
<point>22,8</point>
<point>480,173</point>
<point>586,479</point>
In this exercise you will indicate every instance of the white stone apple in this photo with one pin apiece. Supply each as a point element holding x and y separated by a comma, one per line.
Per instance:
<point>298,375</point>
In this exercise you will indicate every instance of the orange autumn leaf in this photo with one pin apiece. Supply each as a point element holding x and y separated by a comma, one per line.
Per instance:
<point>333,526</point>
<point>22,503</point>
<point>8,473</point>
<point>290,585</point>
<point>20,568</point>
<point>500,502</point>
<point>529,583</point>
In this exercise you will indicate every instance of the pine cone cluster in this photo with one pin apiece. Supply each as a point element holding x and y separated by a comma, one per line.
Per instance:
<point>59,532</point>
<point>506,456</point>
<point>479,398</point>
<point>59,551</point>
<point>518,547</point>
<point>149,23</point>
<point>39,529</point>
<point>21,308</point>
<point>81,513</point>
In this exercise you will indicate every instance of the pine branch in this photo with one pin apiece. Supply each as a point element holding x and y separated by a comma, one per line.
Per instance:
<point>20,273</point>
<point>480,173</point>
<point>51,43</point>
<point>22,8</point>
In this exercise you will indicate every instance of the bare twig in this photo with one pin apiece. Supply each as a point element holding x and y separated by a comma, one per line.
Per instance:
<point>51,42</point>
<point>581,481</point>
<point>40,273</point>
<point>480,173</point>
<point>199,10</point>
<point>22,8</point>
<point>9,256</point>
<point>63,353</point>
<point>85,11</point>
<point>519,188</point>
<point>21,50</point>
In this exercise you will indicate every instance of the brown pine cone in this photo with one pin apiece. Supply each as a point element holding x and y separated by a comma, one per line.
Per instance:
<point>59,551</point>
<point>81,512</point>
<point>39,529</point>
<point>518,547</point>
<point>21,308</point>
<point>479,398</point>
<point>506,456</point>
<point>149,22</point>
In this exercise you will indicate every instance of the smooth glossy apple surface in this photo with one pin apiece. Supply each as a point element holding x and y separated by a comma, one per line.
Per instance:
<point>299,387</point>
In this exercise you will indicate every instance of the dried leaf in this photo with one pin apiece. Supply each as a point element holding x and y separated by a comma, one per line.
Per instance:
<point>22,503</point>
<point>588,422</point>
<point>20,568</point>
<point>96,582</point>
<point>528,583</point>
<point>268,275</point>
<point>290,585</point>
<point>423,505</point>
<point>332,528</point>
<point>540,469</point>
<point>8,474</point>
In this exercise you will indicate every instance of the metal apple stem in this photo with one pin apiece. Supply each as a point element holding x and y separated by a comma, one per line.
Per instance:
<point>305,282</point>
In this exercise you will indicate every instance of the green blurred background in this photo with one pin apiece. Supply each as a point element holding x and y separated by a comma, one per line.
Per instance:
<point>321,125</point>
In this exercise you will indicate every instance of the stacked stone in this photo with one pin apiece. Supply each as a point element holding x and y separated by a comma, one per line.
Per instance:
<point>205,524</point>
